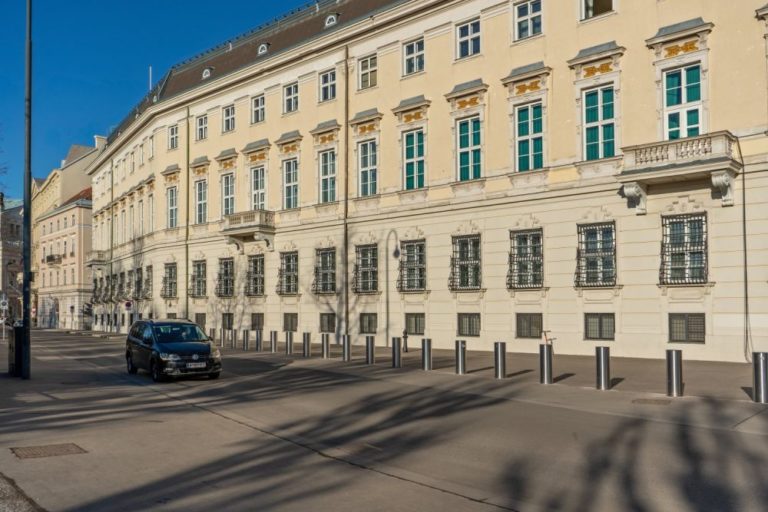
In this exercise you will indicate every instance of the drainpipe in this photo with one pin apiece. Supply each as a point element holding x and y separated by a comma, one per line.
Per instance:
<point>113,321</point>
<point>186,226</point>
<point>346,190</point>
<point>747,327</point>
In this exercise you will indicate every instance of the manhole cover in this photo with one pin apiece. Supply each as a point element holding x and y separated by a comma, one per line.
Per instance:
<point>651,401</point>
<point>51,450</point>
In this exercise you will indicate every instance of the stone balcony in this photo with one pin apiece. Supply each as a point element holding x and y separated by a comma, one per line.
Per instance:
<point>709,157</point>
<point>96,258</point>
<point>251,224</point>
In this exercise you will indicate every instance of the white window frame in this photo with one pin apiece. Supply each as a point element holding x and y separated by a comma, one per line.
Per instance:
<point>531,136</point>
<point>228,118</point>
<point>201,127</point>
<point>583,10</point>
<point>685,106</point>
<point>151,213</point>
<point>601,122</point>
<point>418,57</point>
<point>327,175</point>
<point>367,169</point>
<point>290,184</point>
<point>201,202</point>
<point>470,149</point>
<point>416,159</point>
<point>151,147</point>
<point>368,67</point>
<point>141,217</point>
<point>258,109</point>
<point>327,83</point>
<point>529,18</point>
<point>172,203</point>
<point>259,193</point>
<point>469,38</point>
<point>291,98</point>
<point>227,194</point>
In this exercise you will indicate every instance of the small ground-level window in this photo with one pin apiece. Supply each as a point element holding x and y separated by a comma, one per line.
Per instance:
<point>686,327</point>
<point>368,323</point>
<point>599,326</point>
<point>290,322</point>
<point>327,322</point>
<point>227,321</point>
<point>528,325</point>
<point>257,321</point>
<point>469,324</point>
<point>414,323</point>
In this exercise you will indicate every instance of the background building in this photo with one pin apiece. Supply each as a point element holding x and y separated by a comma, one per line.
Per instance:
<point>472,169</point>
<point>11,222</point>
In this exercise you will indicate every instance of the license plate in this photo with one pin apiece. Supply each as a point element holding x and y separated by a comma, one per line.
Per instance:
<point>195,365</point>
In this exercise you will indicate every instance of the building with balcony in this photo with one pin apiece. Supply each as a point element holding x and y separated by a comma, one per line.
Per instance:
<point>64,283</point>
<point>479,169</point>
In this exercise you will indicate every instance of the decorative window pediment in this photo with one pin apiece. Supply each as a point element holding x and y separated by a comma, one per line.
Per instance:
<point>597,60</point>
<point>467,95</point>
<point>326,132</point>
<point>256,151</point>
<point>227,159</point>
<point>681,38</point>
<point>412,110</point>
<point>289,142</point>
<point>366,122</point>
<point>527,79</point>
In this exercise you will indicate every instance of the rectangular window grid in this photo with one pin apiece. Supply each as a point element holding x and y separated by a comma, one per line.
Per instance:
<point>368,323</point>
<point>596,255</point>
<point>201,202</point>
<point>258,188</point>
<point>328,85</point>
<point>465,264</point>
<point>468,324</point>
<point>599,124</point>
<point>200,320</point>
<point>414,323</point>
<point>682,102</point>
<point>592,8</point>
<point>288,274</point>
<point>526,260</point>
<point>228,118</point>
<point>368,72</point>
<point>202,127</point>
<point>367,155</point>
<point>225,286</point>
<point>413,267</point>
<point>325,271</point>
<point>197,284</point>
<point>684,249</point>
<point>528,325</point>
<point>169,290</point>
<point>530,137</point>
<point>255,277</point>
<point>414,159</point>
<point>599,326</point>
<point>290,322</point>
<point>291,98</point>
<point>328,322</point>
<point>227,194</point>
<point>258,109</point>
<point>366,277</point>
<point>469,145</point>
<point>173,207</point>
<point>413,57</point>
<point>468,39</point>
<point>291,184</point>
<point>257,321</point>
<point>687,328</point>
<point>328,176</point>
<point>528,16</point>
<point>173,137</point>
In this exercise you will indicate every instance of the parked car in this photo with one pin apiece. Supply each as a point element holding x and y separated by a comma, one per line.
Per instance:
<point>171,348</point>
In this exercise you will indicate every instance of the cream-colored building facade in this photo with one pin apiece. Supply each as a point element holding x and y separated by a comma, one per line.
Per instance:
<point>480,169</point>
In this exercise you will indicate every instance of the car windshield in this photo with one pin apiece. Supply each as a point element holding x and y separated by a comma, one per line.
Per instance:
<point>172,333</point>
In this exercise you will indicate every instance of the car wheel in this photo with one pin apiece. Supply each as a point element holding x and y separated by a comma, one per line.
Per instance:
<point>156,372</point>
<point>214,375</point>
<point>132,370</point>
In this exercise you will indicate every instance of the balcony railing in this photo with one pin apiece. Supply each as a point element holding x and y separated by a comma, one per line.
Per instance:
<point>96,258</point>
<point>250,222</point>
<point>712,147</point>
<point>53,259</point>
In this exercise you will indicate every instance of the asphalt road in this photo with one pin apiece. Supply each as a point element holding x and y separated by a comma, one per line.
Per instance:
<point>279,434</point>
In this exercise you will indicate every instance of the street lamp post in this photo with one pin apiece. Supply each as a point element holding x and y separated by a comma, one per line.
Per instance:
<point>396,255</point>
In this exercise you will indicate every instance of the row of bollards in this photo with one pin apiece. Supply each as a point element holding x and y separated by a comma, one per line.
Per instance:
<point>674,358</point>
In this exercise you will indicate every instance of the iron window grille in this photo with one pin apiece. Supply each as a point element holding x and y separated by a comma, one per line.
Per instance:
<point>465,264</point>
<point>599,326</point>
<point>368,323</point>
<point>687,327</point>
<point>366,276</point>
<point>684,249</point>
<point>257,321</point>
<point>327,322</point>
<point>121,287</point>
<point>225,286</point>
<point>169,289</point>
<point>414,323</point>
<point>147,291</point>
<point>526,260</point>
<point>129,286</point>
<point>197,283</point>
<point>138,288</point>
<point>528,325</point>
<point>596,255</point>
<point>468,324</point>
<point>288,274</point>
<point>325,271</point>
<point>255,278</point>
<point>413,267</point>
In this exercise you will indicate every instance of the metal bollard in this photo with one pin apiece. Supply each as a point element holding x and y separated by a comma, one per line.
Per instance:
<point>273,341</point>
<point>370,350</point>
<point>426,354</point>
<point>397,349</point>
<point>307,344</point>
<point>223,337</point>
<point>259,341</point>
<point>500,360</point>
<point>674,373</point>
<point>246,341</point>
<point>461,357</point>
<point>760,377</point>
<point>326,342</point>
<point>603,368</point>
<point>545,363</point>
<point>346,349</point>
<point>233,338</point>
<point>288,343</point>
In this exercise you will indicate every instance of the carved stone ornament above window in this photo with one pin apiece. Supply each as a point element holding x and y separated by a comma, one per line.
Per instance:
<point>528,79</point>
<point>597,60</point>
<point>681,38</point>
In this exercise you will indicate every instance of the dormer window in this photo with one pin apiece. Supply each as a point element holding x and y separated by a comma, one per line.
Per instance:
<point>331,20</point>
<point>263,48</point>
<point>207,73</point>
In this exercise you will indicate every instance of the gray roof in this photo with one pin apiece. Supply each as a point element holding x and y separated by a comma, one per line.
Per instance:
<point>326,126</point>
<point>171,169</point>
<point>415,101</point>
<point>467,86</point>
<point>596,50</point>
<point>201,160</point>
<point>289,137</point>
<point>524,70</point>
<point>679,27</point>
<point>366,115</point>
<point>227,153</point>
<point>255,146</point>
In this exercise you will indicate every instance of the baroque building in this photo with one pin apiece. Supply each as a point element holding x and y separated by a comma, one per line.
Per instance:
<point>485,170</point>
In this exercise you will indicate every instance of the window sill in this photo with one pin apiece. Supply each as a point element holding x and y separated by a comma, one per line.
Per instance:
<point>367,89</point>
<point>368,294</point>
<point>598,17</point>
<point>704,288</point>
<point>413,75</point>
<point>459,60</point>
<point>528,39</point>
<point>615,289</point>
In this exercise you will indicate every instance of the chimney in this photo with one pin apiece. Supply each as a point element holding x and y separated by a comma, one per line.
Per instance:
<point>100,141</point>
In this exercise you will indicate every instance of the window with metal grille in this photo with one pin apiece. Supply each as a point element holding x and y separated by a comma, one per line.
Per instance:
<point>227,321</point>
<point>120,286</point>
<point>290,322</point>
<point>200,320</point>
<point>526,260</point>
<point>325,271</point>
<point>368,323</point>
<point>684,249</point>
<point>288,274</point>
<point>148,284</point>
<point>687,327</point>
<point>197,286</point>
<point>414,323</point>
<point>169,281</point>
<point>596,255</point>
<point>257,321</point>
<point>366,277</point>
<point>327,322</point>
<point>128,284</point>
<point>599,326</point>
<point>255,278</point>
<point>528,325</point>
<point>413,267</point>
<point>138,289</point>
<point>226,281</point>
<point>468,324</point>
<point>465,264</point>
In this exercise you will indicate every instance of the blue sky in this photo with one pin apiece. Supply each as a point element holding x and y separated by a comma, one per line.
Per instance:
<point>91,65</point>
